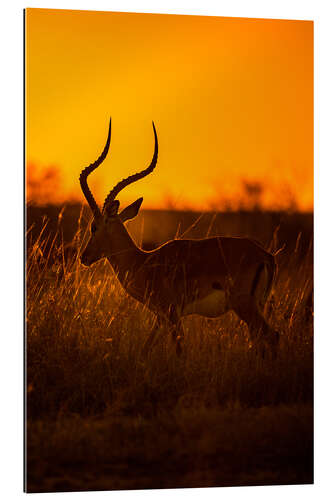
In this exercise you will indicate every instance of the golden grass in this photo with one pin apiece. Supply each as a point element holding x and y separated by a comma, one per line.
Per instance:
<point>96,405</point>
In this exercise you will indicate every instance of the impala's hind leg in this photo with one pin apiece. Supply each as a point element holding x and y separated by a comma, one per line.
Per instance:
<point>247,309</point>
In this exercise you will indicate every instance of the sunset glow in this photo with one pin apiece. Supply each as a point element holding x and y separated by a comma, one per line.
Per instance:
<point>232,101</point>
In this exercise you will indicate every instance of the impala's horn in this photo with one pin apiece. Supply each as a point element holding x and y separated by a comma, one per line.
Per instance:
<point>87,171</point>
<point>132,178</point>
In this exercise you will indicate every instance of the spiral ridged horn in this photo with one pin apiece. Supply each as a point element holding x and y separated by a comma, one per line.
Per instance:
<point>87,171</point>
<point>132,178</point>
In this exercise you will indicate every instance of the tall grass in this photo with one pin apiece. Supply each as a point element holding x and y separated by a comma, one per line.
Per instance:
<point>84,361</point>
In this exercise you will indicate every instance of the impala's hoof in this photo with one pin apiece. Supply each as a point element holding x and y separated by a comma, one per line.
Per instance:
<point>179,349</point>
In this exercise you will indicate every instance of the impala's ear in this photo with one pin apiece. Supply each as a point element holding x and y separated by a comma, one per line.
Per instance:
<point>131,211</point>
<point>112,208</point>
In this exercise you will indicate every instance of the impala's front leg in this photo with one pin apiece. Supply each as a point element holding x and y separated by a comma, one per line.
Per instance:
<point>177,333</point>
<point>176,329</point>
<point>152,336</point>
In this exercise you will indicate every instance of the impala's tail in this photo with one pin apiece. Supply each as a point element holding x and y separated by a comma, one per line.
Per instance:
<point>264,279</point>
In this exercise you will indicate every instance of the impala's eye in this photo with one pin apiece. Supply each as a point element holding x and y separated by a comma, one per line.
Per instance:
<point>93,228</point>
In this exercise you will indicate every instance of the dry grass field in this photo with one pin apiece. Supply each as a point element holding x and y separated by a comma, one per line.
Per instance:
<point>101,415</point>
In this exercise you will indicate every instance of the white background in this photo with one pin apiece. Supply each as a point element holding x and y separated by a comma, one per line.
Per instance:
<point>11,234</point>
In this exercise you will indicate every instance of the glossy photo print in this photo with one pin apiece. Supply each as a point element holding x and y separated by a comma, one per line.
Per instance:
<point>169,251</point>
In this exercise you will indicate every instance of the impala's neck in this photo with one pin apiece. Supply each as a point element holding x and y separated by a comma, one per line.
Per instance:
<point>123,254</point>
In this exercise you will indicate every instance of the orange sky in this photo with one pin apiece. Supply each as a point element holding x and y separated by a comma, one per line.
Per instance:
<point>232,100</point>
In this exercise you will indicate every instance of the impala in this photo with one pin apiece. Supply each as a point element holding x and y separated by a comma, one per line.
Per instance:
<point>207,276</point>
